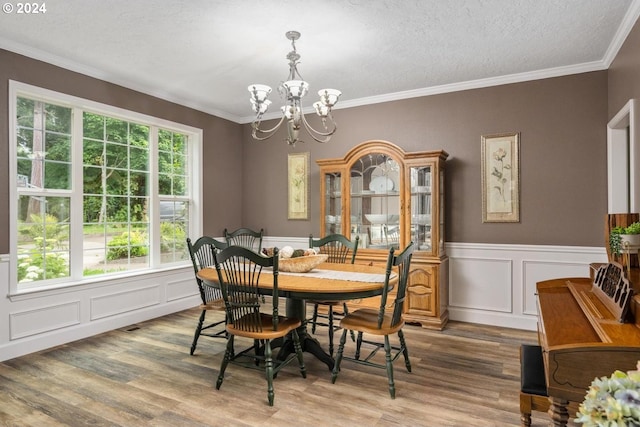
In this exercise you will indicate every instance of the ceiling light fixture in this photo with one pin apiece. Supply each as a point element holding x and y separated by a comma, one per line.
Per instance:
<point>292,91</point>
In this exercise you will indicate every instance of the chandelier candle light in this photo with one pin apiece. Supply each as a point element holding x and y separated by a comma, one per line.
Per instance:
<point>292,91</point>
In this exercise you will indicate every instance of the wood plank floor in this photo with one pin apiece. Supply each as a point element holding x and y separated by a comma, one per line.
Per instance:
<point>143,375</point>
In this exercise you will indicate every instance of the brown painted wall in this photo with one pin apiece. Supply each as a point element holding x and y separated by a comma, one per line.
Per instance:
<point>562,122</point>
<point>624,73</point>
<point>221,147</point>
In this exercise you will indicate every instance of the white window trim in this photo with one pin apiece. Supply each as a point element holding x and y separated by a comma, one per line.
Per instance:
<point>195,163</point>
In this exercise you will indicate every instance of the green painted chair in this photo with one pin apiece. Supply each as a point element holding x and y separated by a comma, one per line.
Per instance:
<point>245,237</point>
<point>239,270</point>
<point>379,323</point>
<point>340,250</point>
<point>201,253</point>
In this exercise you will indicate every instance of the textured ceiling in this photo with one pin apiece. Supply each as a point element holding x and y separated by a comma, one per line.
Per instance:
<point>204,53</point>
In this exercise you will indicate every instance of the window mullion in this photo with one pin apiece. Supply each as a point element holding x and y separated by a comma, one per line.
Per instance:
<point>154,218</point>
<point>76,235</point>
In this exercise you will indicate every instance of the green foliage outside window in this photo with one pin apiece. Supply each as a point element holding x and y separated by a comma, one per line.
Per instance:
<point>174,237</point>
<point>31,266</point>
<point>127,244</point>
<point>41,261</point>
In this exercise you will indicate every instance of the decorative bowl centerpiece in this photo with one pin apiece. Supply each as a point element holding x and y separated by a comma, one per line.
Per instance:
<point>301,264</point>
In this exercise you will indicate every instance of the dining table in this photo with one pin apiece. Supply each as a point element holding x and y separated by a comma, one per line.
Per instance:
<point>328,281</point>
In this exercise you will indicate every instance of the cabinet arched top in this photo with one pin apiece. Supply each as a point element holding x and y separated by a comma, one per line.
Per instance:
<point>383,147</point>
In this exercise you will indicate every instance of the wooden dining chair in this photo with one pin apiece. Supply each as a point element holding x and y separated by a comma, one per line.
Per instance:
<point>201,252</point>
<point>239,270</point>
<point>340,249</point>
<point>380,323</point>
<point>245,237</point>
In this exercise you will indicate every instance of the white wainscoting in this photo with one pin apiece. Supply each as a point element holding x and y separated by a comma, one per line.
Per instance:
<point>496,284</point>
<point>33,322</point>
<point>488,284</point>
<point>43,319</point>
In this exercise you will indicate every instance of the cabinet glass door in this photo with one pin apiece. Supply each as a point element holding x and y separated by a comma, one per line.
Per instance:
<point>441,216</point>
<point>375,201</point>
<point>333,203</point>
<point>421,207</point>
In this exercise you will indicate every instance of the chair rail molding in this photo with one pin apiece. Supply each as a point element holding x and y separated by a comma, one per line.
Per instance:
<point>489,284</point>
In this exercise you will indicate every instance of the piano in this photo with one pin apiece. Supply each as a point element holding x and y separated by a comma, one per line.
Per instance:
<point>588,327</point>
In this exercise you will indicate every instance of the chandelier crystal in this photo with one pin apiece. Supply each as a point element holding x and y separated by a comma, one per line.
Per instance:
<point>292,91</point>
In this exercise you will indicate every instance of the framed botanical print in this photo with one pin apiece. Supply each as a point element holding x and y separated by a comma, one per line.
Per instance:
<point>501,177</point>
<point>298,182</point>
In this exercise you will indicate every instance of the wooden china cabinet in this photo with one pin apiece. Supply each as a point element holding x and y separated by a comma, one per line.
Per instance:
<point>389,198</point>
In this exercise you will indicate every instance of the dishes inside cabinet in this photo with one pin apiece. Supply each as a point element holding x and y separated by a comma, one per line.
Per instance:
<point>332,219</point>
<point>382,218</point>
<point>381,184</point>
<point>421,219</point>
<point>421,189</point>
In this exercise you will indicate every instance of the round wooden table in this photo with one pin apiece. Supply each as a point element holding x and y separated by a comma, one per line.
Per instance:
<point>342,282</point>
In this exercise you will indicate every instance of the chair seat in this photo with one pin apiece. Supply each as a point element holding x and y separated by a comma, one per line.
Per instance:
<point>285,325</point>
<point>366,320</point>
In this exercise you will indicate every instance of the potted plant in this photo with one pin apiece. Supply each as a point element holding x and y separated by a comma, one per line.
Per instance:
<point>621,237</point>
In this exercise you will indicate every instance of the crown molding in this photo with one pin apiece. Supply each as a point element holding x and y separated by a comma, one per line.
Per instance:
<point>119,80</point>
<point>456,87</point>
<point>629,20</point>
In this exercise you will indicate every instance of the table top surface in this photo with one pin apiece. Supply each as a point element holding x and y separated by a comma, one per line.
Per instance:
<point>313,285</point>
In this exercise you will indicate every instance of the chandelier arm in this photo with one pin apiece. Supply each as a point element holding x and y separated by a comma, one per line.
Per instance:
<point>313,132</point>
<point>268,132</point>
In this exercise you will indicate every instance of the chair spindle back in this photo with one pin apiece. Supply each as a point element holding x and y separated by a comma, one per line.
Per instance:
<point>403,262</point>
<point>202,255</point>
<point>239,270</point>
<point>246,238</point>
<point>337,246</point>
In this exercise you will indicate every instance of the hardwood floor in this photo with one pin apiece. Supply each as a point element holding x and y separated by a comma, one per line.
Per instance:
<point>466,375</point>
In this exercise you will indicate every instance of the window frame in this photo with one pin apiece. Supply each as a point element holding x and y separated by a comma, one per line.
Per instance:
<point>79,106</point>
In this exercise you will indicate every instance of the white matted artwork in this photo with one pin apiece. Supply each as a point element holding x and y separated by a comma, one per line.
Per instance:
<point>501,177</point>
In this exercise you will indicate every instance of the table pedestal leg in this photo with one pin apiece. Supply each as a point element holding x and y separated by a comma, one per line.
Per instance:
<point>297,308</point>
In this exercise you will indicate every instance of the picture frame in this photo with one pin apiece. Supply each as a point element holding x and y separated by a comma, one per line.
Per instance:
<point>298,186</point>
<point>501,177</point>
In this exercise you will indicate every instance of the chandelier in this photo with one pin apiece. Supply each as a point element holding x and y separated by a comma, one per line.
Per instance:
<point>292,91</point>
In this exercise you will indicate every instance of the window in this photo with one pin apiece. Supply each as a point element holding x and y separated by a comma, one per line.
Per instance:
<point>43,159</point>
<point>173,179</point>
<point>100,191</point>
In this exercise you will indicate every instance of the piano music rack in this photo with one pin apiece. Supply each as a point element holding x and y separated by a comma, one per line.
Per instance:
<point>613,289</point>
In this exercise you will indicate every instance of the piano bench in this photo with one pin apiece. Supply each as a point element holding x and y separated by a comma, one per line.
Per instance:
<point>533,387</point>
